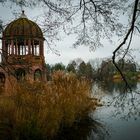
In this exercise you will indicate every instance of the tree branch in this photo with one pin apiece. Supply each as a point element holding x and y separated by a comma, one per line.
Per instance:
<point>124,41</point>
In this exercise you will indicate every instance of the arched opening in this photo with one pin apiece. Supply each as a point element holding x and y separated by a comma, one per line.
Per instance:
<point>20,74</point>
<point>2,82</point>
<point>2,78</point>
<point>38,75</point>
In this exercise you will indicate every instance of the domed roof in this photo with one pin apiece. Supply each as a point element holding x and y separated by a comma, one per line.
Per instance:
<point>23,27</point>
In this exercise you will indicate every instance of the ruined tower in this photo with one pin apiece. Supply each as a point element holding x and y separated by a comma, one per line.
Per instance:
<point>22,54</point>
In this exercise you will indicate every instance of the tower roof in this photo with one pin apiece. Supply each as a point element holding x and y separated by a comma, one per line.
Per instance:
<point>22,27</point>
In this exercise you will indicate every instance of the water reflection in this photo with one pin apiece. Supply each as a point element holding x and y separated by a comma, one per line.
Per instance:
<point>121,110</point>
<point>117,86</point>
<point>88,129</point>
<point>120,113</point>
<point>124,103</point>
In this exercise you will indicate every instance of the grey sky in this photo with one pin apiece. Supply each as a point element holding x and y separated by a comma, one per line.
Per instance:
<point>67,52</point>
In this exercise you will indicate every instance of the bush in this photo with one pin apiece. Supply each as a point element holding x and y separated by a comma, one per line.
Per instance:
<point>38,111</point>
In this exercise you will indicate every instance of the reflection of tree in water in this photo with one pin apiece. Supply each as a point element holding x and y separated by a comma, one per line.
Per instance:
<point>107,86</point>
<point>87,129</point>
<point>120,87</point>
<point>125,104</point>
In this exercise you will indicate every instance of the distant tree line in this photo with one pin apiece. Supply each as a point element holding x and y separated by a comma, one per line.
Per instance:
<point>108,71</point>
<point>82,70</point>
<point>101,71</point>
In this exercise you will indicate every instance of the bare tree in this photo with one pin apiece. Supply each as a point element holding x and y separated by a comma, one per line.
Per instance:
<point>90,20</point>
<point>128,36</point>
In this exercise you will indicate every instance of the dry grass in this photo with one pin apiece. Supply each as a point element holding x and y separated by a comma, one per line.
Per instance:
<point>38,111</point>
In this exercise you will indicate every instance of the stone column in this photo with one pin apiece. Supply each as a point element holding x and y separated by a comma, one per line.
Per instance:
<point>16,45</point>
<point>4,53</point>
<point>25,47</point>
<point>22,49</point>
<point>8,48</point>
<point>18,50</point>
<point>12,46</point>
<point>29,46</point>
<point>32,47</point>
<point>41,48</point>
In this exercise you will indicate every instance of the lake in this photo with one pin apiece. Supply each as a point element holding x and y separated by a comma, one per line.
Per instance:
<point>120,113</point>
<point>117,119</point>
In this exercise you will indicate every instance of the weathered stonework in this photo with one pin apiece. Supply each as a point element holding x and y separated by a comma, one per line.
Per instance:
<point>22,52</point>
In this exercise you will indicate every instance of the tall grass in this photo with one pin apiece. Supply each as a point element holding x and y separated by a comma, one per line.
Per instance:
<point>39,111</point>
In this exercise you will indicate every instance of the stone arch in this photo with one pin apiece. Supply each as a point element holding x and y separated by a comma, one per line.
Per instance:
<point>2,78</point>
<point>20,74</point>
<point>2,82</point>
<point>38,75</point>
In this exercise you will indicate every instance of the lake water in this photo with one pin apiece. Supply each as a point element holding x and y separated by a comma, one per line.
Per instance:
<point>117,119</point>
<point>120,113</point>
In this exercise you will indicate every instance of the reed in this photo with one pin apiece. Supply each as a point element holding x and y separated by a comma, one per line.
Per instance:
<point>38,111</point>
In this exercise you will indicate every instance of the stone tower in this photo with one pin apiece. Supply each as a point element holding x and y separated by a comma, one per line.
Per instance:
<point>22,54</point>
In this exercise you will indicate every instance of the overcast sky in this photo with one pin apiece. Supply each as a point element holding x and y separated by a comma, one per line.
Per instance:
<point>64,47</point>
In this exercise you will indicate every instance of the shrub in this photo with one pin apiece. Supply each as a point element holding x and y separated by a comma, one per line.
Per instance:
<point>39,110</point>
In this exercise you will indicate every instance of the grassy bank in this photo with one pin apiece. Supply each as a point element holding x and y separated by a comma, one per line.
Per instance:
<point>39,111</point>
